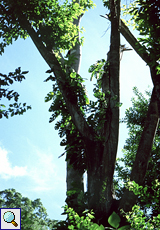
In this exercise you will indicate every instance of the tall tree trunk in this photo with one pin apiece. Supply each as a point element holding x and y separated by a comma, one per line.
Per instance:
<point>101,163</point>
<point>74,177</point>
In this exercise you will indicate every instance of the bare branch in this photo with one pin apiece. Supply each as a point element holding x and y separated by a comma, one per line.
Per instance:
<point>132,40</point>
<point>140,50</point>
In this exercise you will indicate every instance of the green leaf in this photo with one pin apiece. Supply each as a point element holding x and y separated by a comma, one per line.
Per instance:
<point>87,100</point>
<point>97,227</point>
<point>114,220</point>
<point>73,75</point>
<point>71,227</point>
<point>101,227</point>
<point>10,81</point>
<point>90,216</point>
<point>50,78</point>
<point>49,96</point>
<point>2,105</point>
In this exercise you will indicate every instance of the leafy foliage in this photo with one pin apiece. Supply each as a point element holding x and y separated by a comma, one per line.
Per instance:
<point>134,118</point>
<point>86,221</point>
<point>151,199</point>
<point>137,218</point>
<point>5,81</point>
<point>73,140</point>
<point>82,223</point>
<point>145,18</point>
<point>94,112</point>
<point>52,21</point>
<point>97,69</point>
<point>33,214</point>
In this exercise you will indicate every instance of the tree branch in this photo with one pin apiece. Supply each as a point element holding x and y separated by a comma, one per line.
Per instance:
<point>140,50</point>
<point>60,75</point>
<point>143,153</point>
<point>76,50</point>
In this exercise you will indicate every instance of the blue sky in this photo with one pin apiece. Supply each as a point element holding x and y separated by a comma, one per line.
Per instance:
<point>29,145</point>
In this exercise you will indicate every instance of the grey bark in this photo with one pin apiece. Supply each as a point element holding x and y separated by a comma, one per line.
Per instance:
<point>74,177</point>
<point>102,161</point>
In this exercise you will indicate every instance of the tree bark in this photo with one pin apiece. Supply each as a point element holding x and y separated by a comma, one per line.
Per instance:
<point>112,122</point>
<point>139,49</point>
<point>74,176</point>
<point>75,188</point>
<point>102,159</point>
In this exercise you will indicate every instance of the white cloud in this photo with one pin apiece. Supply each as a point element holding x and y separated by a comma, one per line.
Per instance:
<point>44,170</point>
<point>8,171</point>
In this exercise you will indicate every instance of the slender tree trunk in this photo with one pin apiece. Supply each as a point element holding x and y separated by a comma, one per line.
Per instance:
<point>101,163</point>
<point>74,177</point>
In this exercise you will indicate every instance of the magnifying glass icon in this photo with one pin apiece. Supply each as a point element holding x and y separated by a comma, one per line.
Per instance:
<point>9,217</point>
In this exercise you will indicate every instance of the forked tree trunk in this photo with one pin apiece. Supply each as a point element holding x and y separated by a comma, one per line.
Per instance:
<point>101,155</point>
